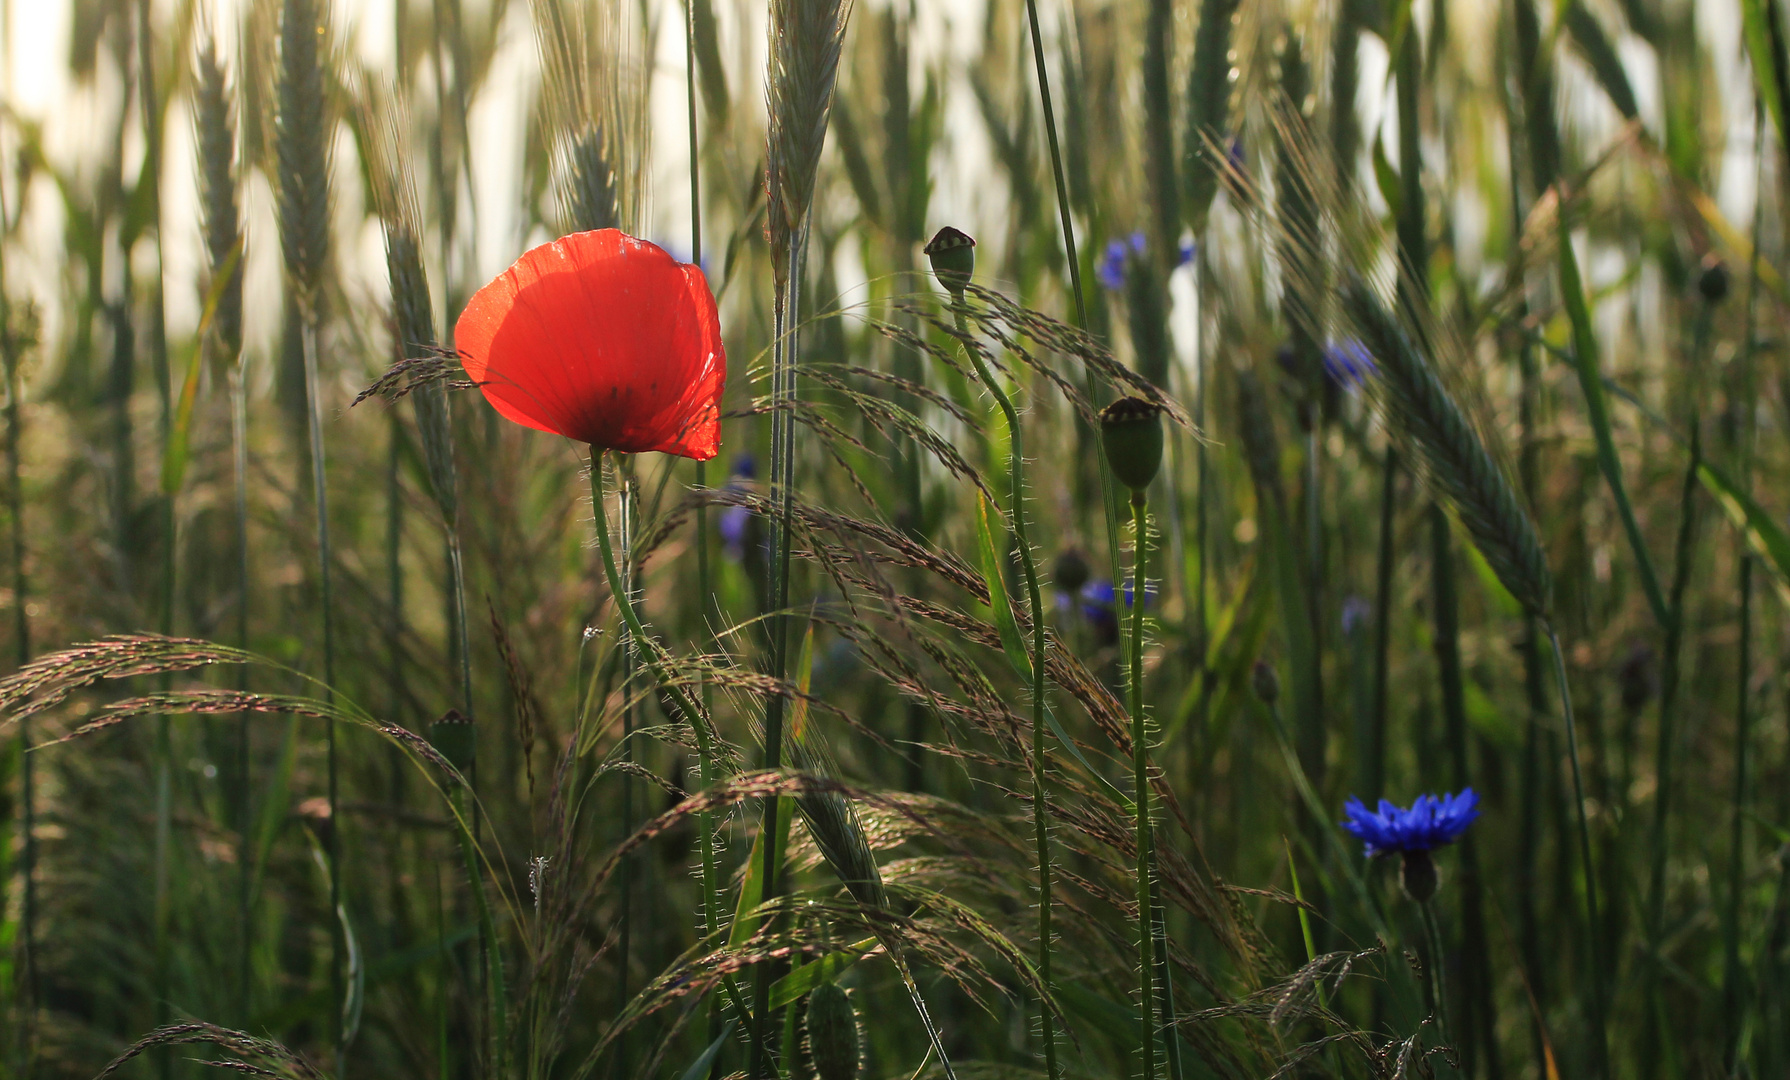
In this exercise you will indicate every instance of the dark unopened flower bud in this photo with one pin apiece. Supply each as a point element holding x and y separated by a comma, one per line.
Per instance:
<point>1070,571</point>
<point>833,1044</point>
<point>1131,431</point>
<point>953,255</point>
<point>1419,876</point>
<point>456,739</point>
<point>1265,682</point>
<point>1637,677</point>
<point>1713,281</point>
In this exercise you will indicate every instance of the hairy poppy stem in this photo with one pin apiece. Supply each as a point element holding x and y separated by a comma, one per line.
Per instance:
<point>648,652</point>
<point>1027,561</point>
<point>1140,768</point>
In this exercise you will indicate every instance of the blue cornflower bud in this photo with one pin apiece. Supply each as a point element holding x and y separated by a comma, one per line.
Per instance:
<point>1348,364</point>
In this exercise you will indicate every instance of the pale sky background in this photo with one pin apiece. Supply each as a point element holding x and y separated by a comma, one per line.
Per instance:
<point>34,78</point>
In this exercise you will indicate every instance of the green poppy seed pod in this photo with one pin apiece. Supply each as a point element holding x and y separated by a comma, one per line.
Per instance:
<point>1265,682</point>
<point>832,1025</point>
<point>1131,431</point>
<point>456,739</point>
<point>1713,281</point>
<point>953,255</point>
<point>1419,876</point>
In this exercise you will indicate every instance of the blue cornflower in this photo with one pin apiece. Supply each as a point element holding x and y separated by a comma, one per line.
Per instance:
<point>1097,600</point>
<point>1112,269</point>
<point>736,521</point>
<point>1432,822</point>
<point>1348,364</point>
<point>1356,612</point>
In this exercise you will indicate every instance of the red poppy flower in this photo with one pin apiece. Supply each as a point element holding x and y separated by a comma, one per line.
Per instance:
<point>602,338</point>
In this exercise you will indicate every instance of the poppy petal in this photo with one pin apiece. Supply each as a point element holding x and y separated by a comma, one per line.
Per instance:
<point>602,338</point>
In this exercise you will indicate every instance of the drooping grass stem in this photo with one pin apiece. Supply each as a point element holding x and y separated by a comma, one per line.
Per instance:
<point>1029,566</point>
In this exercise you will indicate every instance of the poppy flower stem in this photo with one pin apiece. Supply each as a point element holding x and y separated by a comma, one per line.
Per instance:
<point>1040,808</point>
<point>1140,767</point>
<point>647,652</point>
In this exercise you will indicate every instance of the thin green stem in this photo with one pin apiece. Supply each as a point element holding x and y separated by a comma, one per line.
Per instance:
<point>785,355</point>
<point>15,494</point>
<point>158,343</point>
<point>630,650</point>
<point>1140,768</point>
<point>1734,989</point>
<point>631,618</point>
<point>333,850</point>
<point>648,653</point>
<point>1600,1052</point>
<point>1029,565</point>
<point>1056,163</point>
<point>711,895</point>
<point>239,453</point>
<point>1432,966</point>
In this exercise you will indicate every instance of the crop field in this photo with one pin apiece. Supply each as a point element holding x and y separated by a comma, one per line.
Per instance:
<point>894,539</point>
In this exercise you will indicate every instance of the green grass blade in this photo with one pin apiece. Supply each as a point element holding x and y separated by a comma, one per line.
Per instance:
<point>1597,409</point>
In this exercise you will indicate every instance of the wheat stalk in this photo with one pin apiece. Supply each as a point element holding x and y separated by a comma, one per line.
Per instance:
<point>303,129</point>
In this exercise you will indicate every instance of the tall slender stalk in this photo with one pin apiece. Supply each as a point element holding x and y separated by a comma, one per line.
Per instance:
<point>12,342</point>
<point>705,825</point>
<point>1600,1048</point>
<point>302,132</point>
<point>802,72</point>
<point>630,646</point>
<point>1039,762</point>
<point>216,130</point>
<point>1064,215</point>
<point>147,97</point>
<point>1734,990</point>
<point>1140,767</point>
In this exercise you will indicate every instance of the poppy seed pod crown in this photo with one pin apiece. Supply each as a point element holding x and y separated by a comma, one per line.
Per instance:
<point>1131,431</point>
<point>953,255</point>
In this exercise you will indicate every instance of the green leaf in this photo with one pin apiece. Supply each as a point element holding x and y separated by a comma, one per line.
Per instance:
<point>706,1060</point>
<point>1011,642</point>
<point>174,455</point>
<point>1594,44</point>
<point>1386,177</point>
<point>810,975</point>
<point>1597,408</point>
<point>1763,29</point>
<point>1763,534</point>
<point>745,922</point>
